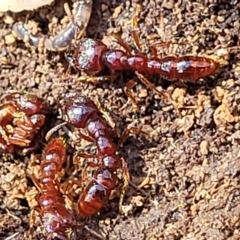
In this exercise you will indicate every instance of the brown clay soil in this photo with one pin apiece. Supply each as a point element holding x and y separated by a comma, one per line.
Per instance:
<point>185,171</point>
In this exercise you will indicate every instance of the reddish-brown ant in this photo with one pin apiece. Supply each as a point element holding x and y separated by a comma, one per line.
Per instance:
<point>21,117</point>
<point>82,113</point>
<point>55,217</point>
<point>92,56</point>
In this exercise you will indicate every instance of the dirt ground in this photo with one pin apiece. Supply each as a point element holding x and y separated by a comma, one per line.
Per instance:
<point>187,167</point>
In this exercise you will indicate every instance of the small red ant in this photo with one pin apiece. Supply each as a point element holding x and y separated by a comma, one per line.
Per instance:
<point>55,217</point>
<point>81,112</point>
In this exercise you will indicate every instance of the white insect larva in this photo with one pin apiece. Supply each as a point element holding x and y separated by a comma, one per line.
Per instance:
<point>78,22</point>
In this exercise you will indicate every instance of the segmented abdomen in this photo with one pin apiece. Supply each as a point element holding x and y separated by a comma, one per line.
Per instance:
<point>187,68</point>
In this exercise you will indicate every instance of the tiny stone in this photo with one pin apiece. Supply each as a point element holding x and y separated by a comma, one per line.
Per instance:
<point>10,39</point>
<point>8,20</point>
<point>104,7</point>
<point>220,19</point>
<point>143,93</point>
<point>204,147</point>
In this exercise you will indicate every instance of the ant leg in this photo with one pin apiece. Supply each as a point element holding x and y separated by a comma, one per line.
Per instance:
<point>150,85</point>
<point>136,39</point>
<point>35,181</point>
<point>106,115</point>
<point>85,137</point>
<point>67,168</point>
<point>126,180</point>
<point>54,129</point>
<point>154,51</point>
<point>70,134</point>
<point>117,39</point>
<point>30,149</point>
<point>135,36</point>
<point>33,220</point>
<point>127,132</point>
<point>123,44</point>
<point>128,91</point>
<point>94,233</point>
<point>96,80</point>
<point>12,215</point>
<point>145,181</point>
<point>135,22</point>
<point>147,83</point>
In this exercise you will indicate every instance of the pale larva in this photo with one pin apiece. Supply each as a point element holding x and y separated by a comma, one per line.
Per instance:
<point>79,19</point>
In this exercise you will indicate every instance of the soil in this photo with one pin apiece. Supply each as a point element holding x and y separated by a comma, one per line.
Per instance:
<point>184,172</point>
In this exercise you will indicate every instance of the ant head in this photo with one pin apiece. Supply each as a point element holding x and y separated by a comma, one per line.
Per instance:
<point>76,109</point>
